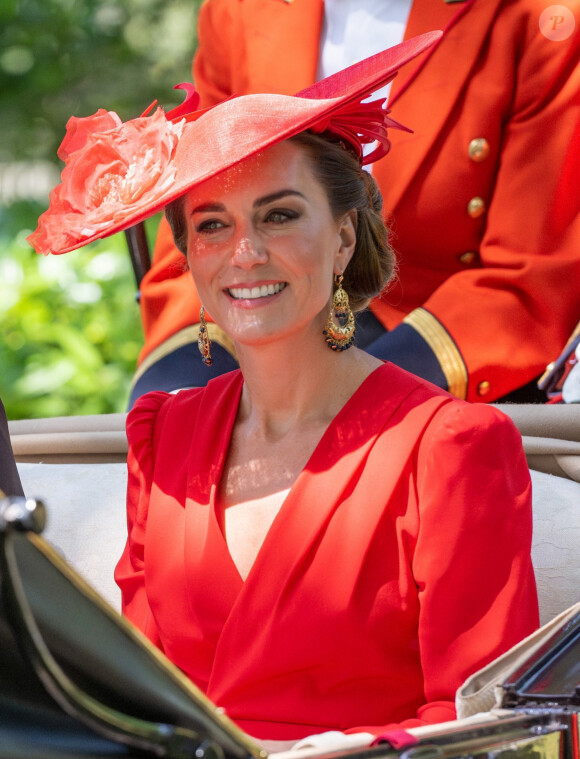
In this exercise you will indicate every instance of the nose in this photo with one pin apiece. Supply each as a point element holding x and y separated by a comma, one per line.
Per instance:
<point>248,252</point>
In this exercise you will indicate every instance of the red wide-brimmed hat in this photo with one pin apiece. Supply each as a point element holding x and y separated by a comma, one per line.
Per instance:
<point>119,173</point>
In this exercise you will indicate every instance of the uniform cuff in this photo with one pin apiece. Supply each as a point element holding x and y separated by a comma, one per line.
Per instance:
<point>444,348</point>
<point>405,347</point>
<point>422,345</point>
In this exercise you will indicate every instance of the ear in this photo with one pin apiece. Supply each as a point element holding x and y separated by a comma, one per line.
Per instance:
<point>347,235</point>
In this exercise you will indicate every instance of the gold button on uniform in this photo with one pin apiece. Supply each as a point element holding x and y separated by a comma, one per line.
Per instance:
<point>478,149</point>
<point>483,388</point>
<point>468,257</point>
<point>476,207</point>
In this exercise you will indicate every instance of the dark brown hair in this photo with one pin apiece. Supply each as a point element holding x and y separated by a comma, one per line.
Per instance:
<point>347,187</point>
<point>175,215</point>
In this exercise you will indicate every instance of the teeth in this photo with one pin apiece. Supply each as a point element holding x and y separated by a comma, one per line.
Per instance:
<point>245,293</point>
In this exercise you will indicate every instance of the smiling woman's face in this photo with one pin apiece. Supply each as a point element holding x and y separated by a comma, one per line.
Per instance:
<point>263,246</point>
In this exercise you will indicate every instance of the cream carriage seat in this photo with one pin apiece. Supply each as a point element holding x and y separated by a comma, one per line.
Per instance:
<point>77,466</point>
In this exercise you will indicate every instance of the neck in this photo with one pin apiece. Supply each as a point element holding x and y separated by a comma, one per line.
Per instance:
<point>298,380</point>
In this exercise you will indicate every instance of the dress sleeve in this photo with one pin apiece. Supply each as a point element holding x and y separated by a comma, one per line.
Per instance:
<point>471,561</point>
<point>130,572</point>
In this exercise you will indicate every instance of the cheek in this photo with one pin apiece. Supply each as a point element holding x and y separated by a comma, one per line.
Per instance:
<point>314,252</point>
<point>196,247</point>
<point>319,261</point>
<point>201,258</point>
<point>199,264</point>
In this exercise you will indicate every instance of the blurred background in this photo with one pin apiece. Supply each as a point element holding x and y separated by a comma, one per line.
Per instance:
<point>70,327</point>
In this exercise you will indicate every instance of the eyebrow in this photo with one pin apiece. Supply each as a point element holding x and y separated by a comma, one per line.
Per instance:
<point>208,208</point>
<point>219,207</point>
<point>276,196</point>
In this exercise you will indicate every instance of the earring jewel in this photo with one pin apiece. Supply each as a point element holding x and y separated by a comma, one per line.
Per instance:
<point>340,327</point>
<point>203,342</point>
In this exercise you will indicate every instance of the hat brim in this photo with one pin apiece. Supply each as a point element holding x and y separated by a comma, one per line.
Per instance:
<point>238,128</point>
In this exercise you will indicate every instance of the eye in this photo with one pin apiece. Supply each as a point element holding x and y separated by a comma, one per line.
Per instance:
<point>209,225</point>
<point>280,216</point>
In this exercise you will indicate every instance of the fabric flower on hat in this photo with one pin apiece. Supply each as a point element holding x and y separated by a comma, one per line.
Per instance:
<point>110,168</point>
<point>79,129</point>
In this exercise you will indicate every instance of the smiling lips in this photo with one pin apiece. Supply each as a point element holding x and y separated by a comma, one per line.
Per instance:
<point>261,291</point>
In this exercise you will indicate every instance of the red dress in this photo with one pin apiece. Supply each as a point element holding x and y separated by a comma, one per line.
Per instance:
<point>398,564</point>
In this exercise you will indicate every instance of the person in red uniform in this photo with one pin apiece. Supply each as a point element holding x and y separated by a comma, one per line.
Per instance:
<point>319,539</point>
<point>481,196</point>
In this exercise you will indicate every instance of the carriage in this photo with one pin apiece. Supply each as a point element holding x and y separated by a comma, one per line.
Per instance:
<point>78,681</point>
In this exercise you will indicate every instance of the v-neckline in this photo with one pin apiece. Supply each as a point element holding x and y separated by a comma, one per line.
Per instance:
<point>290,496</point>
<point>319,492</point>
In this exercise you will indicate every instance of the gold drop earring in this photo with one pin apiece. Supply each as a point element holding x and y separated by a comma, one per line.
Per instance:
<point>340,327</point>
<point>203,342</point>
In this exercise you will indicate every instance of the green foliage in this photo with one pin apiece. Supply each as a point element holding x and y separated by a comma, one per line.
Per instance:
<point>71,331</point>
<point>70,57</point>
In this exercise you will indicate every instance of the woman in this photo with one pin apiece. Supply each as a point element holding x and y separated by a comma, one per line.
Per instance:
<point>319,540</point>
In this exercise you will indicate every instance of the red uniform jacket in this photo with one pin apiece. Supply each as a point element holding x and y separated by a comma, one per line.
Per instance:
<point>398,564</point>
<point>483,196</point>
